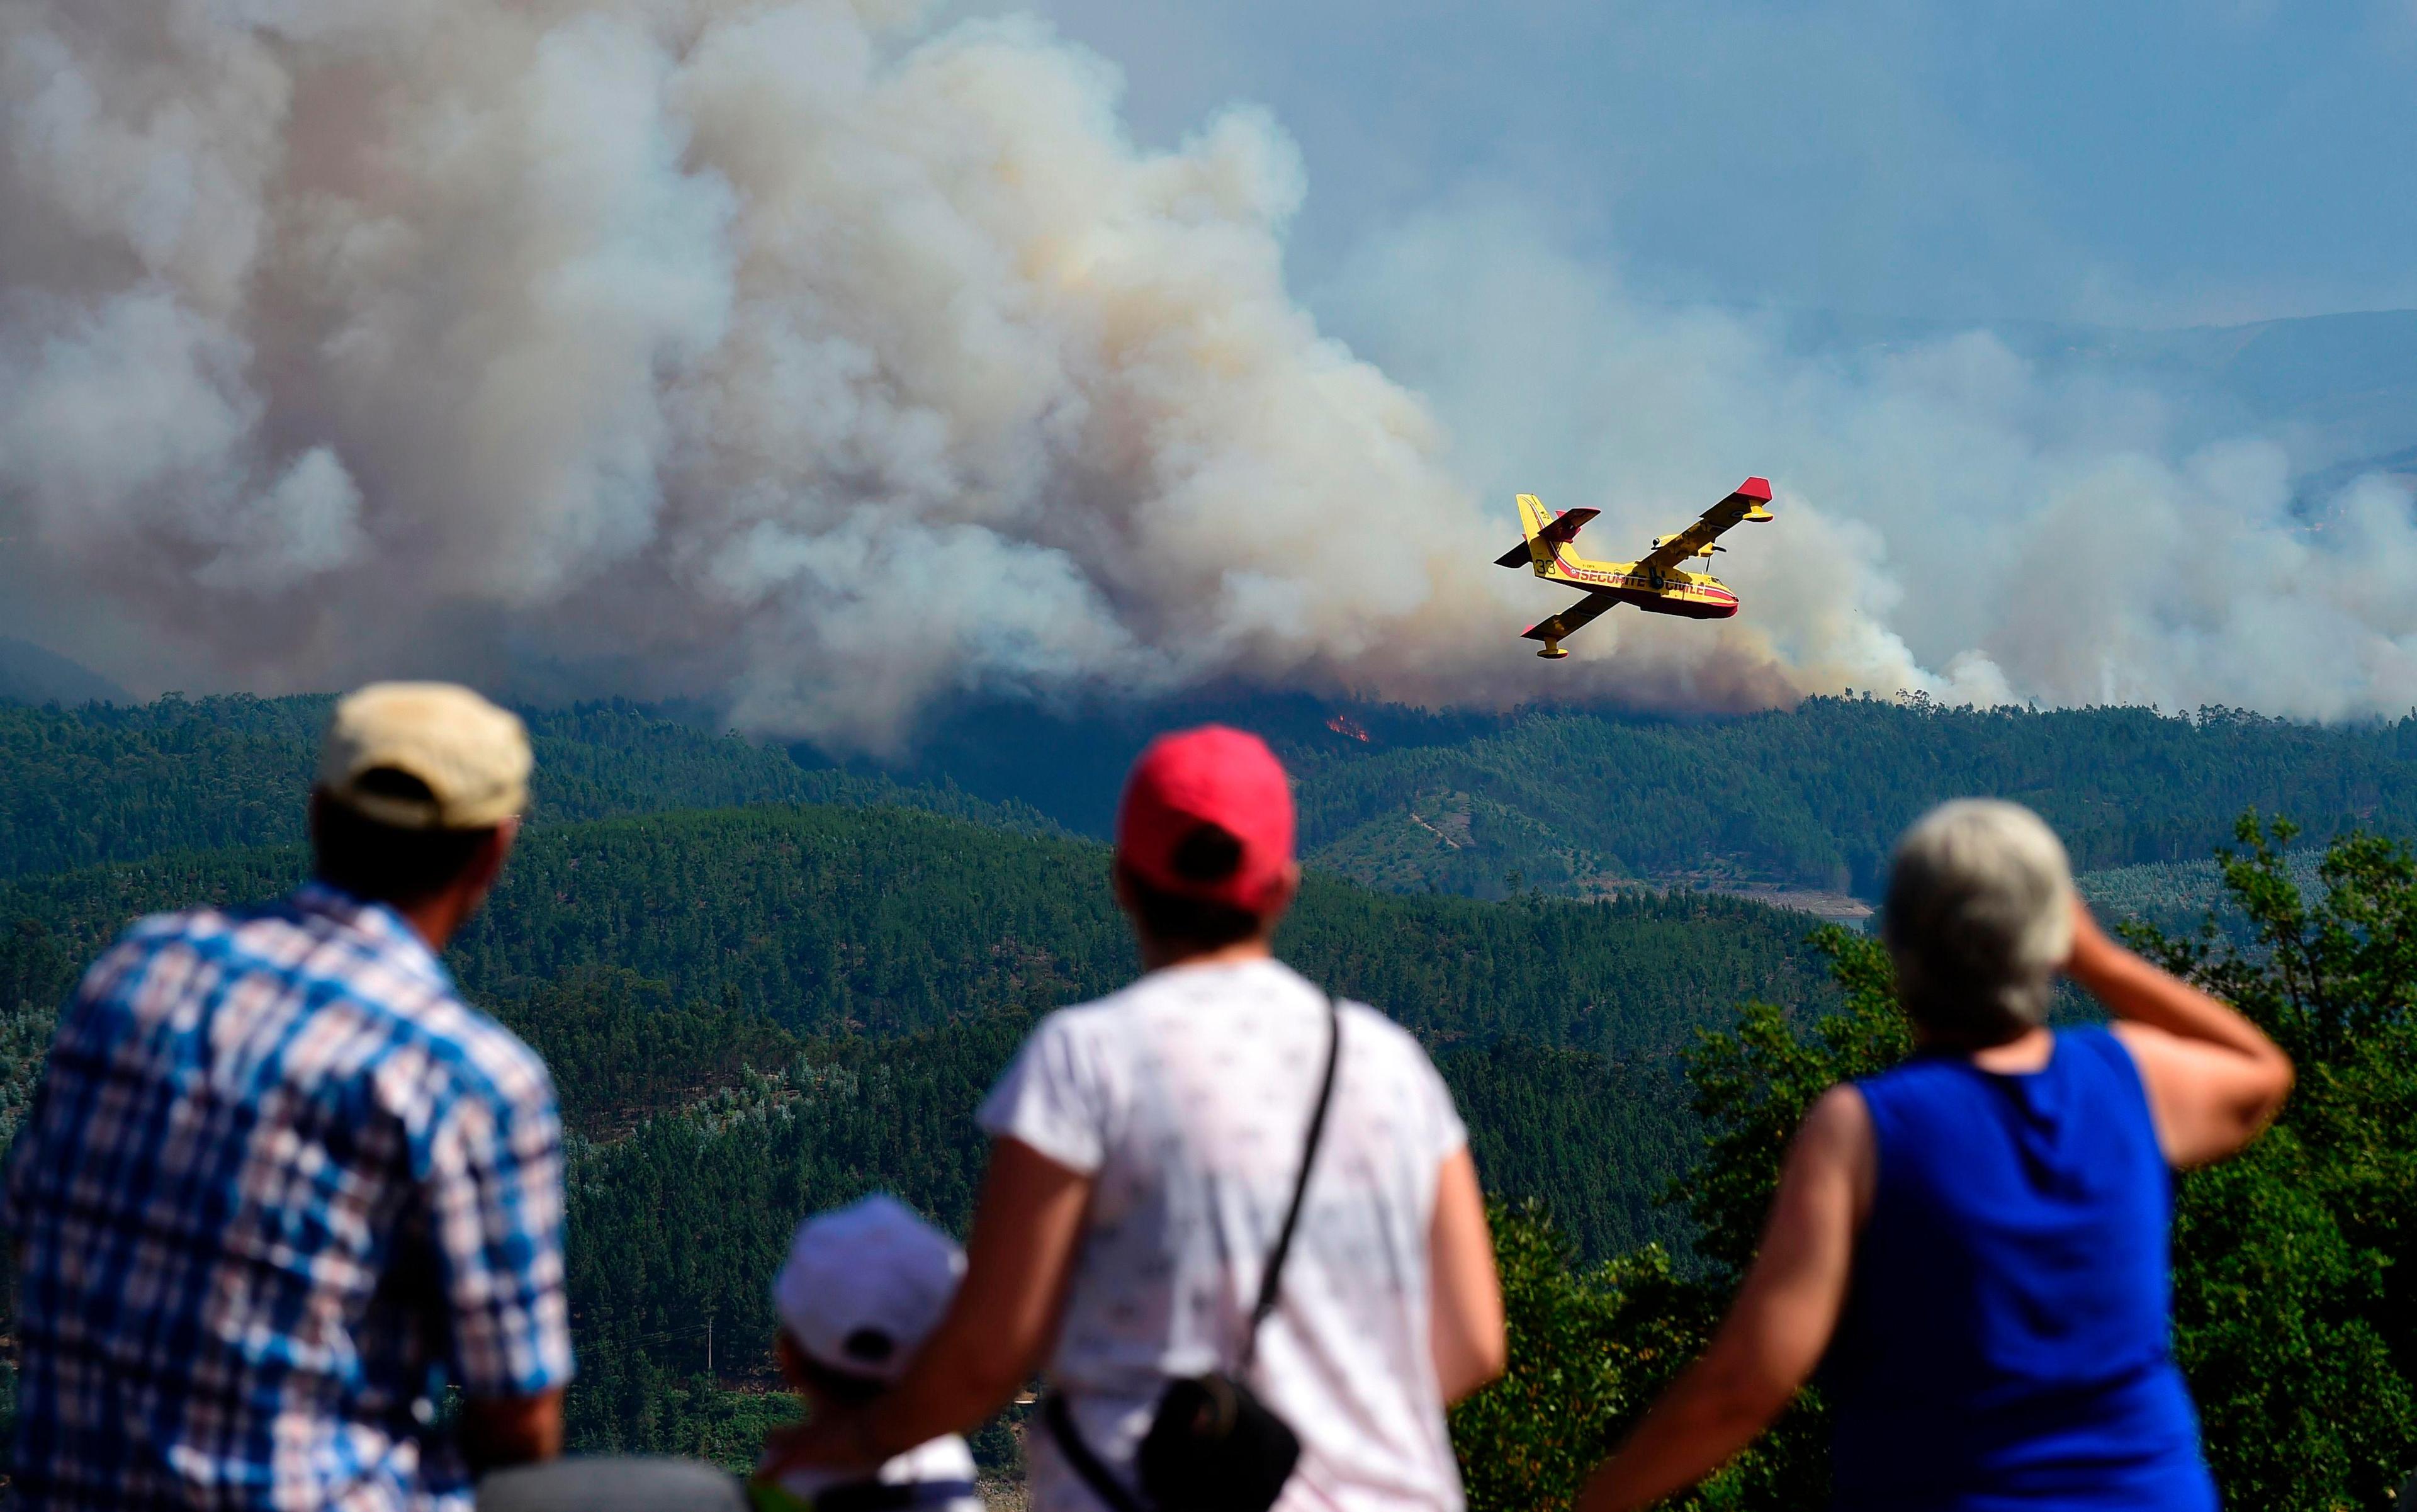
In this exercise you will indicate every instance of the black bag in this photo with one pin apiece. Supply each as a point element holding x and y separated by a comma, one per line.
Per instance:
<point>1213,1446</point>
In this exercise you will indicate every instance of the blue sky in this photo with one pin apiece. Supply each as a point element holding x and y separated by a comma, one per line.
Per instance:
<point>2149,163</point>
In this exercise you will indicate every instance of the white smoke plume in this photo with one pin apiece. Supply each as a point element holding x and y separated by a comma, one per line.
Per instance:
<point>793,355</point>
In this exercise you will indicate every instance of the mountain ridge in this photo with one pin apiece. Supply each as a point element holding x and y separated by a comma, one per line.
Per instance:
<point>1569,802</point>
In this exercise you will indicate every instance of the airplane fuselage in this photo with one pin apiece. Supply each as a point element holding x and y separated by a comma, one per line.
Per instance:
<point>1689,595</point>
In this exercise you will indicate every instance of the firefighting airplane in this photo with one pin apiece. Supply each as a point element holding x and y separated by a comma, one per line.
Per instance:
<point>1654,583</point>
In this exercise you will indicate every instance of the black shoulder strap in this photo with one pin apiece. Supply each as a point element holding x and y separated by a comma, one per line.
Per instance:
<point>1273,1277</point>
<point>1053,1410</point>
<point>1086,1464</point>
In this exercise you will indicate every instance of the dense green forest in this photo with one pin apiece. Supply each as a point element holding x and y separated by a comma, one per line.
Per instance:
<point>1816,795</point>
<point>99,783</point>
<point>1481,806</point>
<point>825,919</point>
<point>2177,895</point>
<point>1574,799</point>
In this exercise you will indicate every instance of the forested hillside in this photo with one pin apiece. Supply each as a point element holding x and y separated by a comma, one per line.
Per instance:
<point>1479,806</point>
<point>1813,796</point>
<point>1817,795</point>
<point>828,918</point>
<point>100,784</point>
<point>2176,896</point>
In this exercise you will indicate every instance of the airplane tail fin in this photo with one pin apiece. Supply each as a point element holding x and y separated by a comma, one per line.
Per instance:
<point>1546,533</point>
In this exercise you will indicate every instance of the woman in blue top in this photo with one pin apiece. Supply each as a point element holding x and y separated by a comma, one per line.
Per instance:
<point>1976,1240</point>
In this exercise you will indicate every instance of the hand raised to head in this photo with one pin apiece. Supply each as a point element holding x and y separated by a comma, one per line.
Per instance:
<point>2091,944</point>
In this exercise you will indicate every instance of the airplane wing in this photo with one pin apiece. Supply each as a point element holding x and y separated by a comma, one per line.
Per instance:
<point>1572,620</point>
<point>1747,503</point>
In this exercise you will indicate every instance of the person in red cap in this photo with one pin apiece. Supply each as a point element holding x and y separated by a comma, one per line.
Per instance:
<point>1157,1155</point>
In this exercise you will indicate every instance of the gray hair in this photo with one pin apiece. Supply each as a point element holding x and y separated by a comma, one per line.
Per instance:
<point>1978,917</point>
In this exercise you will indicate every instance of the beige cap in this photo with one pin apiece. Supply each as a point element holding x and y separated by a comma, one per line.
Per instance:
<point>472,757</point>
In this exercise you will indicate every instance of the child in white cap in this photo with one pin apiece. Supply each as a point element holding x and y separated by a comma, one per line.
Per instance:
<point>863,1287</point>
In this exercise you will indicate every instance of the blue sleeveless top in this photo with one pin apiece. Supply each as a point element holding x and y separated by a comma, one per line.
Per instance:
<point>2005,1342</point>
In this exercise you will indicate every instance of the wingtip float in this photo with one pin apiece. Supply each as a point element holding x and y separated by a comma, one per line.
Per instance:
<point>1654,583</point>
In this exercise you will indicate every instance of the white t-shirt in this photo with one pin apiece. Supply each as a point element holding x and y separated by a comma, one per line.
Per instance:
<point>943,1468</point>
<point>1186,1097</point>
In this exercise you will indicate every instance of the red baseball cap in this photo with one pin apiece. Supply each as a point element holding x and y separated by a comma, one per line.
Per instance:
<point>1189,786</point>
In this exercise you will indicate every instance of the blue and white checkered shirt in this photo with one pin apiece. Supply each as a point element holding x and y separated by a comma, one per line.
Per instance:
<point>277,1173</point>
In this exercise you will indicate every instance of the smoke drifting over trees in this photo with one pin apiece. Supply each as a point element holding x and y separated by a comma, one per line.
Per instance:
<point>799,355</point>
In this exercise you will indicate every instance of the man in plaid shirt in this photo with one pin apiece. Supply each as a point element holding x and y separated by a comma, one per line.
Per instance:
<point>282,1185</point>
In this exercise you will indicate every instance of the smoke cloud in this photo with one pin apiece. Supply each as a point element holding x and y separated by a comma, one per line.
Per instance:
<point>793,355</point>
<point>1969,524</point>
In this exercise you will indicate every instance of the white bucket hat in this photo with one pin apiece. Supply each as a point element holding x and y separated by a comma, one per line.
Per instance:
<point>864,1283</point>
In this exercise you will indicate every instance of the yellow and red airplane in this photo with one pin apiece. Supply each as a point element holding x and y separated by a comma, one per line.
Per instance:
<point>1654,583</point>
